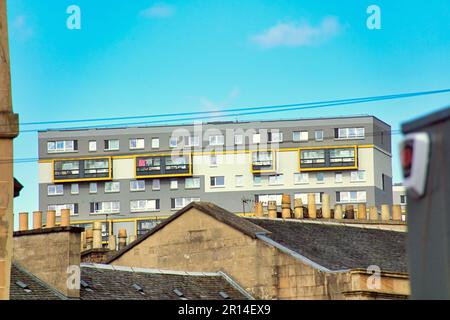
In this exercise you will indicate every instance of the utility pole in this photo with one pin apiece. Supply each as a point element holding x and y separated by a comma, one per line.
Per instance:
<point>9,129</point>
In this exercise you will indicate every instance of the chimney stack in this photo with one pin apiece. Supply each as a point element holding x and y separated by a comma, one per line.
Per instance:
<point>122,238</point>
<point>338,211</point>
<point>51,219</point>
<point>97,235</point>
<point>373,213</point>
<point>83,241</point>
<point>312,210</point>
<point>23,221</point>
<point>298,208</point>
<point>362,211</point>
<point>37,219</point>
<point>396,212</point>
<point>272,209</point>
<point>259,211</point>
<point>286,206</point>
<point>385,213</point>
<point>326,212</point>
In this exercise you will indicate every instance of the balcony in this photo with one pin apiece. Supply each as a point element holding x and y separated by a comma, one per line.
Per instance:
<point>328,158</point>
<point>159,166</point>
<point>263,161</point>
<point>74,170</point>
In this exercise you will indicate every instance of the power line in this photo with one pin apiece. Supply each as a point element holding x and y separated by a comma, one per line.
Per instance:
<point>325,138</point>
<point>225,113</point>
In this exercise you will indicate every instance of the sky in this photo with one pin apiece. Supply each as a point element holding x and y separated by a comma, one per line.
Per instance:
<point>144,57</point>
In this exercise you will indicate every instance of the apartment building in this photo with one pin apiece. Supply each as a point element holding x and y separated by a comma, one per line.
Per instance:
<point>133,177</point>
<point>399,195</point>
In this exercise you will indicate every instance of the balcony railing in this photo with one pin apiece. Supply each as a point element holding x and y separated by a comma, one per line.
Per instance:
<point>79,170</point>
<point>328,159</point>
<point>163,166</point>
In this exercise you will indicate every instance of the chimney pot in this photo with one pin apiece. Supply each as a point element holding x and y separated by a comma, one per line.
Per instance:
<point>89,238</point>
<point>259,211</point>
<point>112,242</point>
<point>373,213</point>
<point>326,213</point>
<point>286,206</point>
<point>312,210</point>
<point>349,212</point>
<point>298,208</point>
<point>51,219</point>
<point>37,219</point>
<point>272,209</point>
<point>362,211</point>
<point>65,217</point>
<point>338,211</point>
<point>97,235</point>
<point>396,212</point>
<point>122,238</point>
<point>385,212</point>
<point>23,221</point>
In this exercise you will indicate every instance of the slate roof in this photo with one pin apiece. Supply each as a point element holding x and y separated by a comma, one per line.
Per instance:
<point>208,208</point>
<point>339,247</point>
<point>35,288</point>
<point>104,283</point>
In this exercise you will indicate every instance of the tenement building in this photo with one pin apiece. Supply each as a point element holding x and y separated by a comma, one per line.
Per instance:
<point>133,177</point>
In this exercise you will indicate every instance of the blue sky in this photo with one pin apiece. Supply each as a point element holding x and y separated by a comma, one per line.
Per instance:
<point>144,57</point>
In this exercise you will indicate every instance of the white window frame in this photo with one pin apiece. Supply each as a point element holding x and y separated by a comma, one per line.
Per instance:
<point>114,207</point>
<point>112,184</point>
<point>315,135</point>
<point>346,196</point>
<point>155,143</point>
<point>91,189</point>
<point>174,184</point>
<point>351,133</point>
<point>303,136</point>
<point>144,206</point>
<point>278,135</point>
<point>184,202</point>
<point>67,146</point>
<point>238,139</point>
<point>73,188</point>
<point>265,198</point>
<point>173,142</point>
<point>156,184</point>
<point>341,180</point>
<point>195,183</point>
<point>215,185</point>
<point>355,176</point>
<point>256,138</point>
<point>239,180</point>
<point>317,178</point>
<point>193,141</point>
<point>137,183</point>
<point>211,162</point>
<point>216,140</point>
<point>115,148</point>
<point>59,207</point>
<point>255,183</point>
<point>92,146</point>
<point>57,190</point>
<point>298,178</point>
<point>139,143</point>
<point>276,179</point>
<point>304,197</point>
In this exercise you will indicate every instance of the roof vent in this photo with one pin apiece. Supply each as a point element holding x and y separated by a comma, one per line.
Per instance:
<point>224,295</point>
<point>24,286</point>
<point>138,288</point>
<point>180,294</point>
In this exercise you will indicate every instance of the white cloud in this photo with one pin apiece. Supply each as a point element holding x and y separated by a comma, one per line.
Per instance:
<point>159,10</point>
<point>294,34</point>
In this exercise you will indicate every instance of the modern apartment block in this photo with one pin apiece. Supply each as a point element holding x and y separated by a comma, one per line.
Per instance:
<point>132,177</point>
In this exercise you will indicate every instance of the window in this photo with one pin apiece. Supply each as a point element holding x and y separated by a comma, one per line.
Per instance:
<point>74,188</point>
<point>338,177</point>
<point>349,133</point>
<point>275,136</point>
<point>155,143</point>
<point>402,199</point>
<point>301,178</point>
<point>239,139</point>
<point>351,196</point>
<point>262,158</point>
<point>93,187</point>
<point>218,181</point>
<point>192,183</point>
<point>318,135</point>
<point>193,141</point>
<point>265,198</point>
<point>239,181</point>
<point>111,145</point>
<point>178,203</point>
<point>92,146</point>
<point>156,184</point>
<point>217,140</point>
<point>173,142</point>
<point>300,136</point>
<point>276,179</point>
<point>55,190</point>
<point>137,143</point>
<point>213,160</point>
<point>137,185</point>
<point>111,187</point>
<point>73,207</point>
<point>320,177</point>
<point>62,146</point>
<point>358,176</point>
<point>342,156</point>
<point>257,180</point>
<point>106,207</point>
<point>304,197</point>
<point>174,184</point>
<point>383,181</point>
<point>312,157</point>
<point>144,205</point>
<point>256,138</point>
